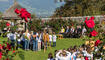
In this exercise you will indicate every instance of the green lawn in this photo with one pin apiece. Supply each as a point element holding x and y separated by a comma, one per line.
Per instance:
<point>40,55</point>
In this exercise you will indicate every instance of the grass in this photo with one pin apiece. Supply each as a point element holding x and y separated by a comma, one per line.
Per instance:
<point>40,55</point>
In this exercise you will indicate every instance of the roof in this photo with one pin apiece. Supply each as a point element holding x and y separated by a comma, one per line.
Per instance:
<point>10,14</point>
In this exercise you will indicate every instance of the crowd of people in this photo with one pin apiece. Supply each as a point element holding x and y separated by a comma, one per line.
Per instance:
<point>73,32</point>
<point>29,40</point>
<point>83,52</point>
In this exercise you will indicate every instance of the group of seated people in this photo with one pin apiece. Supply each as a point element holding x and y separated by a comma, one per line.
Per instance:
<point>29,40</point>
<point>83,52</point>
<point>73,32</point>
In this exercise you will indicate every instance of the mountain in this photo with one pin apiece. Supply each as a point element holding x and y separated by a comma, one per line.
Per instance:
<point>40,8</point>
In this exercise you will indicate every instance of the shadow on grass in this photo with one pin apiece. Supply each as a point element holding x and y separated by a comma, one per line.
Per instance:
<point>21,55</point>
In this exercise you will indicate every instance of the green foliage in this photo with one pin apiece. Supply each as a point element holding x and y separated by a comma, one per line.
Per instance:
<point>2,25</point>
<point>81,8</point>
<point>57,24</point>
<point>0,15</point>
<point>35,25</point>
<point>14,28</point>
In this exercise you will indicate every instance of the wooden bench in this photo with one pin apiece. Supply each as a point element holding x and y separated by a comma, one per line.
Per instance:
<point>60,36</point>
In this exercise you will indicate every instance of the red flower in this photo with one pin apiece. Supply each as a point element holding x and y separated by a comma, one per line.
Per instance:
<point>90,23</point>
<point>9,49</point>
<point>1,47</point>
<point>7,59</point>
<point>17,11</point>
<point>0,55</point>
<point>97,42</point>
<point>86,58</point>
<point>13,51</point>
<point>92,18</point>
<point>7,24</point>
<point>26,19</point>
<point>86,19</point>
<point>22,10</point>
<point>93,33</point>
<point>8,46</point>
<point>28,15</point>
<point>24,14</point>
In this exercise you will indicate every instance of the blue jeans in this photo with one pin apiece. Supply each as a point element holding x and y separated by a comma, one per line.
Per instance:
<point>50,43</point>
<point>13,43</point>
<point>35,45</point>
<point>27,42</point>
<point>54,44</point>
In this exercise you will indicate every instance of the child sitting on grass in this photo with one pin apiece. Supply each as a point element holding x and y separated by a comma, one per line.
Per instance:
<point>50,56</point>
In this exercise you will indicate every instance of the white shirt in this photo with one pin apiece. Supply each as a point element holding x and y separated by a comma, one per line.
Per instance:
<point>89,56</point>
<point>72,30</point>
<point>12,36</point>
<point>39,40</point>
<point>84,30</point>
<point>78,58</point>
<point>63,58</point>
<point>50,38</point>
<point>28,34</point>
<point>8,35</point>
<point>54,38</point>
<point>19,40</point>
<point>37,34</point>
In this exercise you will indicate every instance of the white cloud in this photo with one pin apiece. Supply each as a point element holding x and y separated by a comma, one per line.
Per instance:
<point>4,0</point>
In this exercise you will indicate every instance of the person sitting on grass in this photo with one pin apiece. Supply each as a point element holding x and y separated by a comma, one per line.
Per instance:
<point>63,55</point>
<point>50,56</point>
<point>62,30</point>
<point>84,31</point>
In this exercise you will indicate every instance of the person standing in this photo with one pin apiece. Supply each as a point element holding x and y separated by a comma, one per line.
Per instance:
<point>50,39</point>
<point>47,36</point>
<point>33,37</point>
<point>27,39</point>
<point>8,36</point>
<point>13,39</point>
<point>36,41</point>
<point>45,40</point>
<point>54,39</point>
<point>18,40</point>
<point>39,42</point>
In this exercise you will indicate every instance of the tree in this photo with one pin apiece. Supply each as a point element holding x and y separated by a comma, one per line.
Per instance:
<point>35,25</point>
<point>0,15</point>
<point>2,25</point>
<point>81,8</point>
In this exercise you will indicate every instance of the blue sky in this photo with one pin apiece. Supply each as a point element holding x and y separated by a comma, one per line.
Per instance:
<point>39,7</point>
